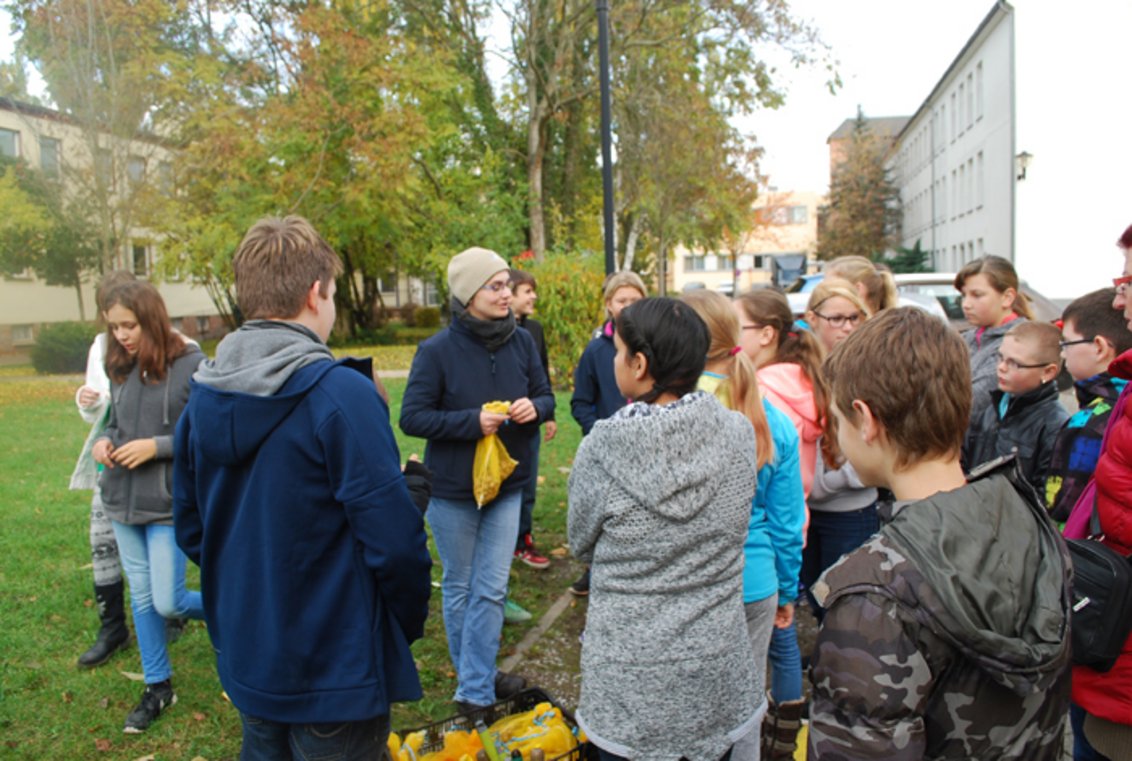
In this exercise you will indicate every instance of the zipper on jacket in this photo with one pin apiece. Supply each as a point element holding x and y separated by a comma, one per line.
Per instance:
<point>492,355</point>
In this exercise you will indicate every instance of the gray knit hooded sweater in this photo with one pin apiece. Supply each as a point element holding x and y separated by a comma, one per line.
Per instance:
<point>660,499</point>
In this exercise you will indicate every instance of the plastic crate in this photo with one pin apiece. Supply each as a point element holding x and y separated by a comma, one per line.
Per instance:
<point>517,703</point>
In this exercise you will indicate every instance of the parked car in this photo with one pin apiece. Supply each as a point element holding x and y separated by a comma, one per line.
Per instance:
<point>941,287</point>
<point>798,295</point>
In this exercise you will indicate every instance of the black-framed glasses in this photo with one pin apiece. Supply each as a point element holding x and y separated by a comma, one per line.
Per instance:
<point>837,320</point>
<point>497,287</point>
<point>1013,364</point>
<point>752,326</point>
<point>1063,344</point>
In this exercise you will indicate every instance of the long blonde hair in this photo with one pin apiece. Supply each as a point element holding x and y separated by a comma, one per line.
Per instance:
<point>742,384</point>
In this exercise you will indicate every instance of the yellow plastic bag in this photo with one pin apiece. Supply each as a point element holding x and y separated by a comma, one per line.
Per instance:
<point>493,464</point>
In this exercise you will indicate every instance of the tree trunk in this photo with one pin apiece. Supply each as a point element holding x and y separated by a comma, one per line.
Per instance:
<point>631,241</point>
<point>79,295</point>
<point>536,152</point>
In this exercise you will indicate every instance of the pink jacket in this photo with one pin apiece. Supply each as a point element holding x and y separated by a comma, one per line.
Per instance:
<point>786,387</point>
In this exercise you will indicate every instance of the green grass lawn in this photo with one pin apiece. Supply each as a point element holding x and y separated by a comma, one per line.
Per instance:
<point>49,709</point>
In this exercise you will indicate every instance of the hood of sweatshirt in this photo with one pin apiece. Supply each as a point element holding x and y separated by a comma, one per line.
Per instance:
<point>686,436</point>
<point>243,395</point>
<point>990,575</point>
<point>786,386</point>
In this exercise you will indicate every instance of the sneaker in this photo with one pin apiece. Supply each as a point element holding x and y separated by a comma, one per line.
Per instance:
<point>581,587</point>
<point>155,699</point>
<point>514,613</point>
<point>507,685</point>
<point>526,553</point>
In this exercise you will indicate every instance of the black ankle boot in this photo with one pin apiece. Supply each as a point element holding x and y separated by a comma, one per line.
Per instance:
<point>113,634</point>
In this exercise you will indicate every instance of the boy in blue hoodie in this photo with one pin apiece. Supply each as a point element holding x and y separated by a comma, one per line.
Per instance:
<point>289,495</point>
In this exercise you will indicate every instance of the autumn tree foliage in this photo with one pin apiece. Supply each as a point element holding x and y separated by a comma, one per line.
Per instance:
<point>864,214</point>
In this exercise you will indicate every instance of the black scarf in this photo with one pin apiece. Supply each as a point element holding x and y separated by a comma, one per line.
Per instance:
<point>493,333</point>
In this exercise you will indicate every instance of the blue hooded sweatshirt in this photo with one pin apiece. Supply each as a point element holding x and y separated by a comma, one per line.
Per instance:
<point>288,494</point>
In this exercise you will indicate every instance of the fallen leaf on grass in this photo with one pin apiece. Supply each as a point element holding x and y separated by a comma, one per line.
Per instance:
<point>102,745</point>
<point>451,674</point>
<point>436,585</point>
<point>541,480</point>
<point>68,697</point>
<point>563,471</point>
<point>199,758</point>
<point>88,603</point>
<point>150,757</point>
<point>198,716</point>
<point>559,552</point>
<point>133,676</point>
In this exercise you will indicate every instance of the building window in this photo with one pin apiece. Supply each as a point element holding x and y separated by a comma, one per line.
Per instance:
<point>695,263</point>
<point>954,121</point>
<point>9,143</point>
<point>979,187</point>
<point>23,335</point>
<point>431,295</point>
<point>135,169</point>
<point>970,100</point>
<point>203,325</point>
<point>979,90</point>
<point>962,107</point>
<point>799,215</point>
<point>387,283</point>
<point>725,262</point>
<point>140,265</point>
<point>49,156</point>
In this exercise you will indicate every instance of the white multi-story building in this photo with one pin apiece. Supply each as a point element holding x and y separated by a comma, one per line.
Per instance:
<point>1019,149</point>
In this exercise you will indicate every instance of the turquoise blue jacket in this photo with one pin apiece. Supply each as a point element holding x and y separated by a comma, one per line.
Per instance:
<point>773,550</point>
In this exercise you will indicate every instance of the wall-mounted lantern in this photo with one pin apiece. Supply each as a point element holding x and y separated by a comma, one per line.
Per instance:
<point>1021,162</point>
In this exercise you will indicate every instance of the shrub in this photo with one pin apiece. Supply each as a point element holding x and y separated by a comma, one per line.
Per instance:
<point>569,307</point>
<point>427,317</point>
<point>62,347</point>
<point>408,312</point>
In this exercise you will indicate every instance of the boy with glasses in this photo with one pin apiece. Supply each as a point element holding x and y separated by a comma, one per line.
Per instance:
<point>1093,335</point>
<point>1024,416</point>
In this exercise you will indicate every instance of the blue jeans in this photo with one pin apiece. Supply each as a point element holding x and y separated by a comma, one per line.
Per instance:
<point>347,741</point>
<point>527,508</point>
<point>155,570</point>
<point>475,548</point>
<point>832,535</point>
<point>785,665</point>
<point>1082,750</point>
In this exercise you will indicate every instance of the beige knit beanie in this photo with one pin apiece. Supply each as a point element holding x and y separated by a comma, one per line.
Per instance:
<point>470,269</point>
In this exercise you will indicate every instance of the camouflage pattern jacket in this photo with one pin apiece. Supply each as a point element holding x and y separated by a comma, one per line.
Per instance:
<point>946,635</point>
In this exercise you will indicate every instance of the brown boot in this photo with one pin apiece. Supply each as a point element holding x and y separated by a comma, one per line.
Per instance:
<point>780,729</point>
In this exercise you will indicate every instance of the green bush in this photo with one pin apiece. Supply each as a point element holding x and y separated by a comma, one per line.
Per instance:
<point>428,317</point>
<point>569,307</point>
<point>408,312</point>
<point>62,347</point>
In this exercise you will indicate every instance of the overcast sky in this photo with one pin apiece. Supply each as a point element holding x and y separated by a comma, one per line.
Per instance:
<point>891,54</point>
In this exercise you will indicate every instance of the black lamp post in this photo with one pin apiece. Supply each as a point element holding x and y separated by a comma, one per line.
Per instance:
<point>606,130</point>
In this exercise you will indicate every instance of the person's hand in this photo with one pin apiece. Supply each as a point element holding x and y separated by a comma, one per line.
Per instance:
<point>88,397</point>
<point>523,410</point>
<point>490,422</point>
<point>412,458</point>
<point>784,616</point>
<point>135,453</point>
<point>102,452</point>
<point>551,430</point>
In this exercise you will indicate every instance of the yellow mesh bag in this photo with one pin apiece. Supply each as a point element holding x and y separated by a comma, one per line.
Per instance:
<point>493,464</point>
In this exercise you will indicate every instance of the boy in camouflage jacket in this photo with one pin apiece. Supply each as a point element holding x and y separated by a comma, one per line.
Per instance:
<point>946,634</point>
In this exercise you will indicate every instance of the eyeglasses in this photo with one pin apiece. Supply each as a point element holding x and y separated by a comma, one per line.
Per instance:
<point>752,326</point>
<point>1013,364</point>
<point>838,320</point>
<point>497,287</point>
<point>1063,344</point>
<point>1121,284</point>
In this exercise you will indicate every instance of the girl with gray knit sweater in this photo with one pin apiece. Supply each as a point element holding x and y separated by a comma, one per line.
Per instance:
<point>660,500</point>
